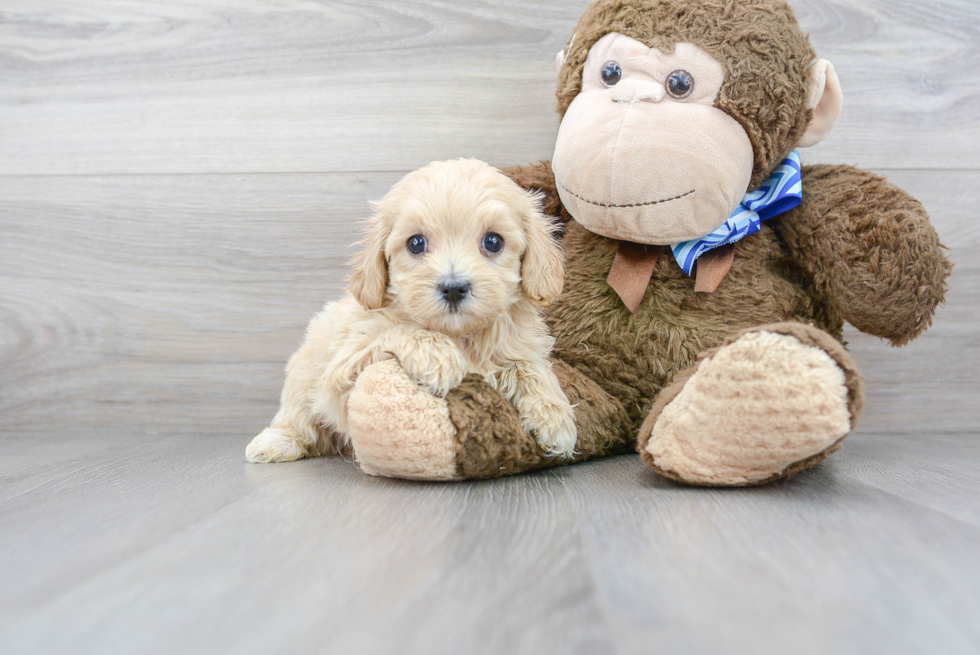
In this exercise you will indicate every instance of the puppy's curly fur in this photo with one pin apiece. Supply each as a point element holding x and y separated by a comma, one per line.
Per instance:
<point>398,307</point>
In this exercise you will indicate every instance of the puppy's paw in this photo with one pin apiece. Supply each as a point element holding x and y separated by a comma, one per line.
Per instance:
<point>553,425</point>
<point>434,362</point>
<point>337,378</point>
<point>273,445</point>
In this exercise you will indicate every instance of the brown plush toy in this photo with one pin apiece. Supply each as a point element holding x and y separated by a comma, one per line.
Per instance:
<point>680,116</point>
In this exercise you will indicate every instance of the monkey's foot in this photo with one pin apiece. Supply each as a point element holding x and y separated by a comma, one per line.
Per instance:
<point>398,429</point>
<point>772,401</point>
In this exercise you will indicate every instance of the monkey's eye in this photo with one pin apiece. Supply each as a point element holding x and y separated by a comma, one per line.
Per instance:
<point>611,73</point>
<point>493,242</point>
<point>680,84</point>
<point>417,244</point>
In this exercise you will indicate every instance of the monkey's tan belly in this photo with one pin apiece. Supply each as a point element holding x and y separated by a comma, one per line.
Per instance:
<point>634,356</point>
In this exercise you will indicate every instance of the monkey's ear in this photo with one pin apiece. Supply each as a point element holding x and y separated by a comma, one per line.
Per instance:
<point>825,98</point>
<point>543,266</point>
<point>369,280</point>
<point>560,61</point>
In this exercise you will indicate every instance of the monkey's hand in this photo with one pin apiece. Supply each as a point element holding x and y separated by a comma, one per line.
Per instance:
<point>432,359</point>
<point>869,248</point>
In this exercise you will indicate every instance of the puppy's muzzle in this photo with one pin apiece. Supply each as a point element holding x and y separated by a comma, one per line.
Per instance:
<point>454,293</point>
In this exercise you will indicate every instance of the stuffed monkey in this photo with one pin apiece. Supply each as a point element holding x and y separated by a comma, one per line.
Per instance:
<point>708,273</point>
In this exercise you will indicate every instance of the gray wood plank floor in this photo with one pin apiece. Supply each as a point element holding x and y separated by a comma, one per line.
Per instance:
<point>179,186</point>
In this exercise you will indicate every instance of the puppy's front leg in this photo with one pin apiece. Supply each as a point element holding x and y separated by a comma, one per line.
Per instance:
<point>544,409</point>
<point>430,358</point>
<point>295,431</point>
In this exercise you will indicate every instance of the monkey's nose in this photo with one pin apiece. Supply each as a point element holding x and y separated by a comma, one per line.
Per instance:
<point>638,91</point>
<point>454,292</point>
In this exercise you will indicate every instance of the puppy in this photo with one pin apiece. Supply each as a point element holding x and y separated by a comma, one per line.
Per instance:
<point>457,263</point>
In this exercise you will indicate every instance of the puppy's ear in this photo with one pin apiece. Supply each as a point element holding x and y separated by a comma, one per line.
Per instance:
<point>543,267</point>
<point>369,280</point>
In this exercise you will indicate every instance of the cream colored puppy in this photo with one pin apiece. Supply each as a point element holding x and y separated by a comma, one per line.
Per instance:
<point>457,263</point>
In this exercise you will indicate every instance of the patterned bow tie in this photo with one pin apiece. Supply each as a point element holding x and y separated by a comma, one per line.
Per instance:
<point>634,263</point>
<point>782,192</point>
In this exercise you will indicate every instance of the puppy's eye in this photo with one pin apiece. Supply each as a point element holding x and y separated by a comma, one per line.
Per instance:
<point>493,242</point>
<point>611,73</point>
<point>417,244</point>
<point>680,84</point>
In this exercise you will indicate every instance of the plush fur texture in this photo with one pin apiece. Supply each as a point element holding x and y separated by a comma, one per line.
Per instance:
<point>858,249</point>
<point>424,448</point>
<point>765,54</point>
<point>398,308</point>
<point>490,443</point>
<point>774,279</point>
<point>754,407</point>
<point>806,335</point>
<point>635,163</point>
<point>868,252</point>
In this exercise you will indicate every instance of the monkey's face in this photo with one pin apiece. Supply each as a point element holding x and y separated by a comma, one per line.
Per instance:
<point>643,155</point>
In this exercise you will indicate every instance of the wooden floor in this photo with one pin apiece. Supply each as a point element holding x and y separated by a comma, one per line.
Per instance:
<point>179,186</point>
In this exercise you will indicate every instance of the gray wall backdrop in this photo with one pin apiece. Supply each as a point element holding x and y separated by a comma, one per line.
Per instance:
<point>180,183</point>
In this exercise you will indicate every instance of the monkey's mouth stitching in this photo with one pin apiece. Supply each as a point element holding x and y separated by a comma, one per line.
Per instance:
<point>636,204</point>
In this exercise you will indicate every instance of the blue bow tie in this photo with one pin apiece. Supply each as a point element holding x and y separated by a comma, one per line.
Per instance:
<point>782,192</point>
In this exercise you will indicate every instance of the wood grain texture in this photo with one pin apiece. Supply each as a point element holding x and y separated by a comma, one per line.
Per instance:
<point>180,298</point>
<point>180,183</point>
<point>135,297</point>
<point>301,86</point>
<point>175,545</point>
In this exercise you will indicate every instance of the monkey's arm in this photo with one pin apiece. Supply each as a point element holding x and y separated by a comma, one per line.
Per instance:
<point>539,177</point>
<point>868,247</point>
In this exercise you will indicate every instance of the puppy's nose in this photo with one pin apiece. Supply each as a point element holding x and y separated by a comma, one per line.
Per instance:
<point>454,292</point>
